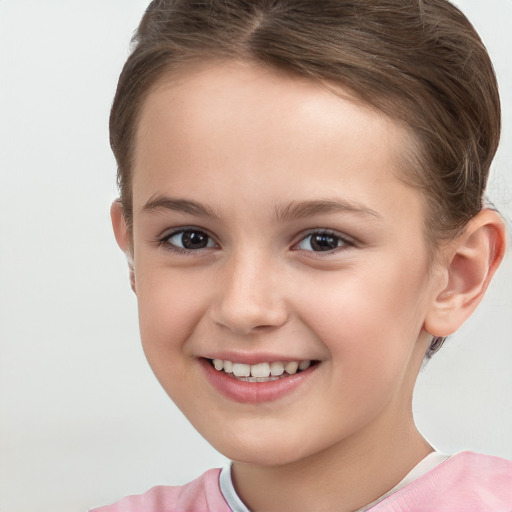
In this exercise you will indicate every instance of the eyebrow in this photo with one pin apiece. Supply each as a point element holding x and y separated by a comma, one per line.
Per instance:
<point>282,213</point>
<point>301,209</point>
<point>165,203</point>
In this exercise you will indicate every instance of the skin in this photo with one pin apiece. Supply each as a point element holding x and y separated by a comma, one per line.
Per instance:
<point>246,142</point>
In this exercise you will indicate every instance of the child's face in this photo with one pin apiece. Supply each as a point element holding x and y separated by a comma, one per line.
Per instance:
<point>270,226</point>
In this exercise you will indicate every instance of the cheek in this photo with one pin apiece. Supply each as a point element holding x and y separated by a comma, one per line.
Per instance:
<point>170,309</point>
<point>170,304</point>
<point>367,314</point>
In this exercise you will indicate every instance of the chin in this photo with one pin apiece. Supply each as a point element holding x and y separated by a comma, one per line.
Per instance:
<point>260,457</point>
<point>275,449</point>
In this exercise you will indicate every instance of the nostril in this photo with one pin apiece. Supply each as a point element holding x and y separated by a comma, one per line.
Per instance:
<point>250,319</point>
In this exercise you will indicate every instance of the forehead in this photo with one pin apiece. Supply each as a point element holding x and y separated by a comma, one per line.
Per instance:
<point>235,121</point>
<point>232,90</point>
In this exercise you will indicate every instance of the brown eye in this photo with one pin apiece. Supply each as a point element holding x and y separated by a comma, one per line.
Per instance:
<point>190,239</point>
<point>322,242</point>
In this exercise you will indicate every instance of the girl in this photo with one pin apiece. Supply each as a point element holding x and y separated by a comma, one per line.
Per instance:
<point>301,208</point>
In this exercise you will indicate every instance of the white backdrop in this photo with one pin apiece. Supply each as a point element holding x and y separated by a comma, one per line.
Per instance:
<point>82,420</point>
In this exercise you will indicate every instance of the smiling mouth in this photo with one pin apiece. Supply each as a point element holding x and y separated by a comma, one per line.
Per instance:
<point>261,372</point>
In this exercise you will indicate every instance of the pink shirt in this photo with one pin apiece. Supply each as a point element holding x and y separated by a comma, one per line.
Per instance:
<point>466,482</point>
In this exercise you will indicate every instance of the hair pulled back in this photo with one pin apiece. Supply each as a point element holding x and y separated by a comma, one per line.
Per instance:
<point>417,61</point>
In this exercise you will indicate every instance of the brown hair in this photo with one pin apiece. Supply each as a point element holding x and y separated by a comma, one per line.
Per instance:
<point>418,61</point>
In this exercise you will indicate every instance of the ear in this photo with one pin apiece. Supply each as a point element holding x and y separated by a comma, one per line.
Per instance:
<point>469,264</point>
<point>123,237</point>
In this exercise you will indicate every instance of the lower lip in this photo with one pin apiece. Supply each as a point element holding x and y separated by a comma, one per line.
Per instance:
<point>254,392</point>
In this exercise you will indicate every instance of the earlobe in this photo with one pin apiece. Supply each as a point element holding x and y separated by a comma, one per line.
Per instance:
<point>122,236</point>
<point>471,261</point>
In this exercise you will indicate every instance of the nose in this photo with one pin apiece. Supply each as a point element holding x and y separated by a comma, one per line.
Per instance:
<point>251,296</point>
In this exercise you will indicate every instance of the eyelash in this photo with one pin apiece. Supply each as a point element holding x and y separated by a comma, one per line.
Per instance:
<point>345,241</point>
<point>168,246</point>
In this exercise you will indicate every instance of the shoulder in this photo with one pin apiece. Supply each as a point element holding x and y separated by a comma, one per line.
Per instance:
<point>480,472</point>
<point>479,462</point>
<point>201,495</point>
<point>466,481</point>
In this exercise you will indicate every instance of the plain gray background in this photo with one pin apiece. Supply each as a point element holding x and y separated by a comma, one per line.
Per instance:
<point>82,420</point>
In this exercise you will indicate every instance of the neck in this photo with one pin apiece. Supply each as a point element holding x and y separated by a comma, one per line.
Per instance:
<point>351,474</point>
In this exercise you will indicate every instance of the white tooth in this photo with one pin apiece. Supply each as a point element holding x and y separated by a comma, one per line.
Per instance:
<point>218,363</point>
<point>228,366</point>
<point>276,368</point>
<point>258,379</point>
<point>291,367</point>
<point>303,365</point>
<point>241,370</point>
<point>260,370</point>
